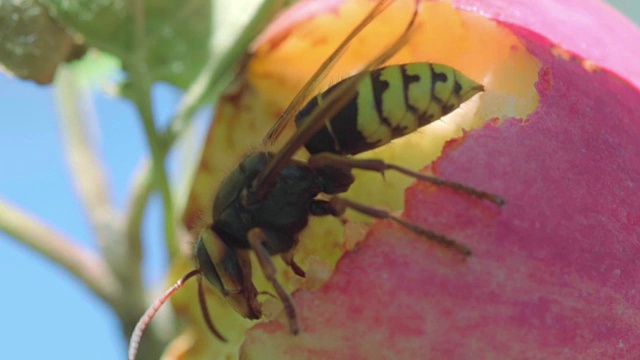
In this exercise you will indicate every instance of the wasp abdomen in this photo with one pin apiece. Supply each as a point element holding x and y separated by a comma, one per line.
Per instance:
<point>391,102</point>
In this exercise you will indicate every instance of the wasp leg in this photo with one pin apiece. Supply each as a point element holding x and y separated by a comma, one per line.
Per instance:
<point>205,312</point>
<point>341,204</point>
<point>324,208</point>
<point>321,208</point>
<point>257,239</point>
<point>249,292</point>
<point>329,159</point>
<point>288,259</point>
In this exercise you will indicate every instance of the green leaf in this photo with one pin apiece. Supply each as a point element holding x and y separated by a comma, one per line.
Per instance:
<point>32,43</point>
<point>176,33</point>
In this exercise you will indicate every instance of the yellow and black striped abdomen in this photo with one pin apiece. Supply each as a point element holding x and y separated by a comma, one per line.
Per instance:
<point>391,102</point>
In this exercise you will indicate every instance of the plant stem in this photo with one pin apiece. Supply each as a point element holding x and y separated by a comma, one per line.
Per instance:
<point>142,184</point>
<point>87,170</point>
<point>87,266</point>
<point>208,84</point>
<point>211,80</point>
<point>141,81</point>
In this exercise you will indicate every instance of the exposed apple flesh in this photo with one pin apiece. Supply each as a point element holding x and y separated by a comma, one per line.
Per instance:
<point>554,273</point>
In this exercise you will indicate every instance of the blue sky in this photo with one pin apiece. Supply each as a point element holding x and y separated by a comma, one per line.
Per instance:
<point>44,311</point>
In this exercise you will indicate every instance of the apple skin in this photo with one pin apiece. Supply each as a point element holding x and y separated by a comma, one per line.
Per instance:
<point>555,272</point>
<point>591,29</point>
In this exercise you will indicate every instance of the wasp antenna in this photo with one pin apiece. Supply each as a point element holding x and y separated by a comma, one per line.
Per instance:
<point>205,313</point>
<point>146,318</point>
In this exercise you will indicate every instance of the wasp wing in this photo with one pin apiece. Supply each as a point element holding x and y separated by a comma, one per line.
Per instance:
<point>322,71</point>
<point>331,105</point>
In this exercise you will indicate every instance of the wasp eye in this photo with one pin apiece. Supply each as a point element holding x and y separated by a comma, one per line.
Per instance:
<point>218,262</point>
<point>207,267</point>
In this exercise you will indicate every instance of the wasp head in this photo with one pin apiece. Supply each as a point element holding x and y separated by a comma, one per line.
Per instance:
<point>229,271</point>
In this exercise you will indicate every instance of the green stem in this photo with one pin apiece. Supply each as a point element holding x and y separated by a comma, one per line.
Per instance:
<point>211,79</point>
<point>141,81</point>
<point>140,191</point>
<point>208,84</point>
<point>87,266</point>
<point>215,76</point>
<point>87,169</point>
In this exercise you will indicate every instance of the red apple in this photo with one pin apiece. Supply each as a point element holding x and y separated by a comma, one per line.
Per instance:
<point>555,272</point>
